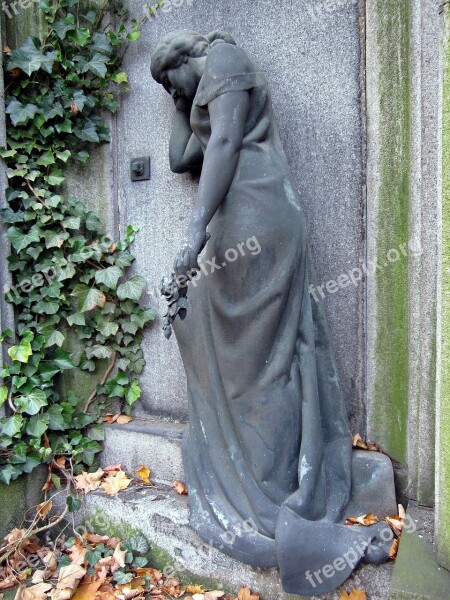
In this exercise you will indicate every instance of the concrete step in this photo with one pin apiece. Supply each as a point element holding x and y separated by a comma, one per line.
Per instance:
<point>155,444</point>
<point>417,576</point>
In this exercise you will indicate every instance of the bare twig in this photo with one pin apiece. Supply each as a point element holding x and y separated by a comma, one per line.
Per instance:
<point>103,381</point>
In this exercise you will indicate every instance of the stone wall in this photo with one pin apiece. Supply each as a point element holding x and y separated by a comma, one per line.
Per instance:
<point>312,61</point>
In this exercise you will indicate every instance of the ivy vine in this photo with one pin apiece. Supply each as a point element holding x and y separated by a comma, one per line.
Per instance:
<point>68,276</point>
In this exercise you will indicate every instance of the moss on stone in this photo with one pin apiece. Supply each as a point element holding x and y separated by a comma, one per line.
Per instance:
<point>389,426</point>
<point>443,447</point>
<point>158,558</point>
<point>19,496</point>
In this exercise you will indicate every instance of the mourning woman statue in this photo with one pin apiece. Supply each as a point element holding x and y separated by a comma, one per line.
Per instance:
<point>268,454</point>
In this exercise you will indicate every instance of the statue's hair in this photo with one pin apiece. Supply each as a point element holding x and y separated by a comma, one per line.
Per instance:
<point>174,46</point>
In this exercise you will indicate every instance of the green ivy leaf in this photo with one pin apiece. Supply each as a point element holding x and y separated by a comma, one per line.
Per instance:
<point>133,393</point>
<point>21,352</point>
<point>121,577</point>
<point>46,159</point>
<point>11,426</point>
<point>63,359</point>
<point>120,77</point>
<point>72,223</point>
<point>76,319</point>
<point>32,403</point>
<point>96,65</point>
<point>96,432</point>
<point>109,277</point>
<point>9,473</point>
<point>3,394</point>
<point>88,298</point>
<point>73,504</point>
<point>108,328</point>
<point>55,239</point>
<point>131,289</point>
<point>64,156</point>
<point>20,113</point>
<point>56,339</point>
<point>37,425</point>
<point>88,133</point>
<point>55,177</point>
<point>20,240</point>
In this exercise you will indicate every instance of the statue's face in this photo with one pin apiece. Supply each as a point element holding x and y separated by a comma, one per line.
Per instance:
<point>182,82</point>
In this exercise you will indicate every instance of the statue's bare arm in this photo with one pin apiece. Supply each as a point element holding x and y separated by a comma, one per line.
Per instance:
<point>185,150</point>
<point>228,114</point>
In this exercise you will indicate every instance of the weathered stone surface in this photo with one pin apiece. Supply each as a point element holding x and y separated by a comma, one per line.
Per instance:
<point>372,485</point>
<point>417,576</point>
<point>19,496</point>
<point>161,516</point>
<point>312,61</point>
<point>151,443</point>
<point>443,409</point>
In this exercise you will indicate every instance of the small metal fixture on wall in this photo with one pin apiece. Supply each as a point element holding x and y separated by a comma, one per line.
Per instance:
<point>140,168</point>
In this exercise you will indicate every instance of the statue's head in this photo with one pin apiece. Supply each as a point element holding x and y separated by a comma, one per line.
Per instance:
<point>178,62</point>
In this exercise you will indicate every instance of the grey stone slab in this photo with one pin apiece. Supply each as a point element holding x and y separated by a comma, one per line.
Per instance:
<point>417,575</point>
<point>155,445</point>
<point>318,114</point>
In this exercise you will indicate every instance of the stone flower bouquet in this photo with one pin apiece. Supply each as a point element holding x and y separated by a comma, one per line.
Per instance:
<point>175,295</point>
<point>177,302</point>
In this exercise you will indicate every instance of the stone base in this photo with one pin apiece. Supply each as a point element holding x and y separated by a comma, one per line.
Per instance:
<point>161,515</point>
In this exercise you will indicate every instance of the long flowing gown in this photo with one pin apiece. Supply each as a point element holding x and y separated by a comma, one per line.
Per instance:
<point>268,451</point>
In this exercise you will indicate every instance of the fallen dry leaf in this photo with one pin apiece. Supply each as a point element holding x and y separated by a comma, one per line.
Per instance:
<point>195,589</point>
<point>87,590</point>
<point>110,418</point>
<point>401,511</point>
<point>119,558</point>
<point>94,538</point>
<point>215,595</point>
<point>8,582</point>
<point>353,595</point>
<point>394,549</point>
<point>68,580</point>
<point>180,487</point>
<point>152,574</point>
<point>395,523</point>
<point>358,442</point>
<point>124,419</point>
<point>77,553</point>
<point>113,484</point>
<point>89,482</point>
<point>366,520</point>
<point>35,592</point>
<point>14,535</point>
<point>44,508</point>
<point>246,594</point>
<point>143,473</point>
<point>112,468</point>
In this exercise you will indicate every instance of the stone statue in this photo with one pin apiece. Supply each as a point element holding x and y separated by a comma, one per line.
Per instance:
<point>268,454</point>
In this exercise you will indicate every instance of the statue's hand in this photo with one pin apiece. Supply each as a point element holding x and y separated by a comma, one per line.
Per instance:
<point>187,259</point>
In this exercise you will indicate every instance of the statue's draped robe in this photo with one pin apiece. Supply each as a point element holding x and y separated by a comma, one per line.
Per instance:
<point>268,451</point>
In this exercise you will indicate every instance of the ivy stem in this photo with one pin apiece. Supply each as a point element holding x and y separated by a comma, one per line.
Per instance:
<point>10,403</point>
<point>33,191</point>
<point>103,381</point>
